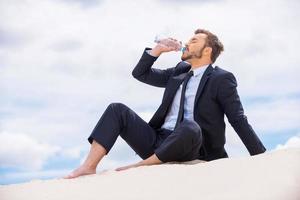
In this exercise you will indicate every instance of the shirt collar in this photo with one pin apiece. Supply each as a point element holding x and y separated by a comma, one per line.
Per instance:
<point>199,70</point>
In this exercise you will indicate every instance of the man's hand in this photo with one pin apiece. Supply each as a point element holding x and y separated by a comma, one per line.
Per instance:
<point>165,45</point>
<point>152,160</point>
<point>129,166</point>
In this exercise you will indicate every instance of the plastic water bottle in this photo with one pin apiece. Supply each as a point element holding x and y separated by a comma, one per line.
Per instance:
<point>168,42</point>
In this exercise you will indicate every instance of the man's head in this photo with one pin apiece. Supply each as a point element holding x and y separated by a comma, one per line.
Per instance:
<point>204,46</point>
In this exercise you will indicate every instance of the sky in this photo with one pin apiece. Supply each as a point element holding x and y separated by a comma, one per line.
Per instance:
<point>62,62</point>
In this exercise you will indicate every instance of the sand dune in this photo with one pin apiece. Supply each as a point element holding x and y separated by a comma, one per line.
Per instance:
<point>272,175</point>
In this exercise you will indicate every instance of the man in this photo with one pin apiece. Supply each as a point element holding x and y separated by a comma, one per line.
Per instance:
<point>189,123</point>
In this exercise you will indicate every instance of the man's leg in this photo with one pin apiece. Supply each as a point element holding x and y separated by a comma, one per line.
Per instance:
<point>117,120</point>
<point>97,152</point>
<point>161,135</point>
<point>183,144</point>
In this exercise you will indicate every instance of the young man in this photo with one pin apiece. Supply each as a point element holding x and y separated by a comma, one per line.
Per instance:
<point>189,123</point>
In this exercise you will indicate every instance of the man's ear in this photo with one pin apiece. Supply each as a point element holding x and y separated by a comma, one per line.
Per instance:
<point>207,51</point>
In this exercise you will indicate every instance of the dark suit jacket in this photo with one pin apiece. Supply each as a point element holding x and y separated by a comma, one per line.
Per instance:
<point>216,95</point>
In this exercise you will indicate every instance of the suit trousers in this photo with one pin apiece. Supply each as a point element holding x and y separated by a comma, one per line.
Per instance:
<point>181,144</point>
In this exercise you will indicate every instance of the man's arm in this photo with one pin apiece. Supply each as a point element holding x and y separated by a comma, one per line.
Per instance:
<point>156,77</point>
<point>152,76</point>
<point>232,106</point>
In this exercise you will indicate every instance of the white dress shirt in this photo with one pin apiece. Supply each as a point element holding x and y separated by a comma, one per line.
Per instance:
<point>189,99</point>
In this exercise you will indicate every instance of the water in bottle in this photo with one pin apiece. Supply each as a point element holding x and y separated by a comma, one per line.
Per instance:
<point>168,42</point>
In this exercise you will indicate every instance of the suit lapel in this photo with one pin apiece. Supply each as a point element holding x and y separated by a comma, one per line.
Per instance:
<point>203,81</point>
<point>177,80</point>
<point>175,83</point>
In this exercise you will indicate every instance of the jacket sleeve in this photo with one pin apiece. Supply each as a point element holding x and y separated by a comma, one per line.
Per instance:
<point>229,100</point>
<point>144,72</point>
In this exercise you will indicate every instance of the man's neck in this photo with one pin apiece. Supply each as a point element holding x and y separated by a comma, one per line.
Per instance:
<point>199,63</point>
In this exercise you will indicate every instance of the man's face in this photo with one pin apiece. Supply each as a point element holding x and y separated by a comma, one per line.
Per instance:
<point>194,47</point>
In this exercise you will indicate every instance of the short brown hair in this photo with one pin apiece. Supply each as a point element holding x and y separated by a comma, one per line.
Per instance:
<point>212,41</point>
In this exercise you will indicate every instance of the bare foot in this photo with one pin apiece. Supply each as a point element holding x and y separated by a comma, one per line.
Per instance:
<point>81,171</point>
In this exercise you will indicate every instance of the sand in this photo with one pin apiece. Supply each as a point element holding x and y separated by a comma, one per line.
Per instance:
<point>272,175</point>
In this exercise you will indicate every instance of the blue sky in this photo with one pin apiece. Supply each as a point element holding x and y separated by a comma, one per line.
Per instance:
<point>62,62</point>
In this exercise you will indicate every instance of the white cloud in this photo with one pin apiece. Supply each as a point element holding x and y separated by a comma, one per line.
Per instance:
<point>73,152</point>
<point>293,142</point>
<point>26,153</point>
<point>23,152</point>
<point>275,116</point>
<point>79,74</point>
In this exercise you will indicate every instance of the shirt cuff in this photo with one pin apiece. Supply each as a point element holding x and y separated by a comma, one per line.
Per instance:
<point>149,52</point>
